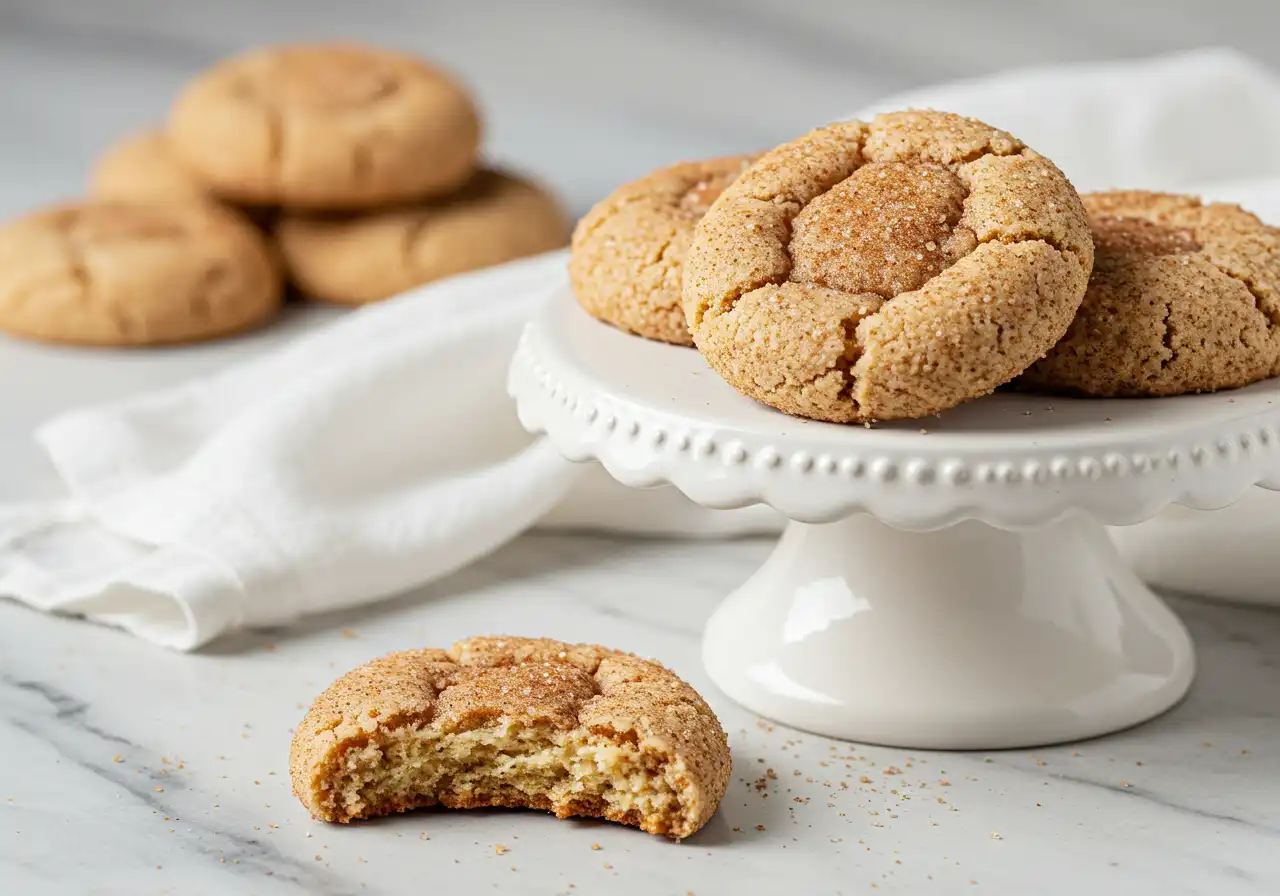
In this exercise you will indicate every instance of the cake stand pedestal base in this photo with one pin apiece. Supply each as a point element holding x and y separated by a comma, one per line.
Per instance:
<point>942,584</point>
<point>968,637</point>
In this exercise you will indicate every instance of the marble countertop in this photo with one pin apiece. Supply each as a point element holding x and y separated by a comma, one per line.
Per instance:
<point>129,769</point>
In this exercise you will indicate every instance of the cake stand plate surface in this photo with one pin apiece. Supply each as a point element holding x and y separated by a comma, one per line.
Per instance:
<point>944,583</point>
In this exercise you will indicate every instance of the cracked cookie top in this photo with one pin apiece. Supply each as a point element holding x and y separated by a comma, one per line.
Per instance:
<point>326,126</point>
<point>627,258</point>
<point>129,273</point>
<point>1184,297</point>
<point>891,269</point>
<point>363,258</point>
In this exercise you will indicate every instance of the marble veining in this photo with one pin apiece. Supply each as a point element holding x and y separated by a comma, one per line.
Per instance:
<point>130,769</point>
<point>127,769</point>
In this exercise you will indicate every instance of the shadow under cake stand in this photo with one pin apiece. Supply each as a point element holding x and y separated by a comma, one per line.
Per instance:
<point>943,583</point>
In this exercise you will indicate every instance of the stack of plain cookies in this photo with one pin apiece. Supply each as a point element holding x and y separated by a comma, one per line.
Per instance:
<point>895,268</point>
<point>351,172</point>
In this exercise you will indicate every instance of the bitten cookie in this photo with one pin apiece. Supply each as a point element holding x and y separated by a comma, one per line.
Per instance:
<point>627,258</point>
<point>117,273</point>
<point>886,270</point>
<point>572,729</point>
<point>1184,297</point>
<point>326,127</point>
<point>142,168</point>
<point>353,260</point>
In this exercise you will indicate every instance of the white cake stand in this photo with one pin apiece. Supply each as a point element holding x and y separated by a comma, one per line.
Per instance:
<point>945,583</point>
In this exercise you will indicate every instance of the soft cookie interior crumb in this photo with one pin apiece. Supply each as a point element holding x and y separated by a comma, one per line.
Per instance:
<point>506,764</point>
<point>573,729</point>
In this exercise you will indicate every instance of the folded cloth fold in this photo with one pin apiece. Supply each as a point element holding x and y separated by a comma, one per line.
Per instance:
<point>382,452</point>
<point>357,462</point>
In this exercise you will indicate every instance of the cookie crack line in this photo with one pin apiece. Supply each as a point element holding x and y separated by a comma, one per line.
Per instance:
<point>1048,240</point>
<point>1272,318</point>
<point>1166,338</point>
<point>77,266</point>
<point>587,229</point>
<point>275,120</point>
<point>901,213</point>
<point>409,242</point>
<point>574,729</point>
<point>751,286</point>
<point>848,360</point>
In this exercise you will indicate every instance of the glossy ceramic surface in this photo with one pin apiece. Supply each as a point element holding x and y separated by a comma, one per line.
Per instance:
<point>947,582</point>
<point>970,637</point>
<point>1228,554</point>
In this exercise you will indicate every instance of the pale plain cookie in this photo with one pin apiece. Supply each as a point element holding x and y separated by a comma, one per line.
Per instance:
<point>326,127</point>
<point>627,258</point>
<point>572,729</point>
<point>886,270</point>
<point>118,274</point>
<point>364,258</point>
<point>142,168</point>
<point>1184,297</point>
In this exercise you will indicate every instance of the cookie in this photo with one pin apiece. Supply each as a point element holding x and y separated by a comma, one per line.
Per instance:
<point>127,273</point>
<point>142,168</point>
<point>352,260</point>
<point>886,270</point>
<point>572,729</point>
<point>1184,297</point>
<point>326,126</point>
<point>627,258</point>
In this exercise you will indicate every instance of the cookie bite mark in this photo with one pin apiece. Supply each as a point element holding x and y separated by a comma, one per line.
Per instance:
<point>515,722</point>
<point>886,229</point>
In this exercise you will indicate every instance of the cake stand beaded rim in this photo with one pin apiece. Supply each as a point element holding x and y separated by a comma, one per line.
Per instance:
<point>566,381</point>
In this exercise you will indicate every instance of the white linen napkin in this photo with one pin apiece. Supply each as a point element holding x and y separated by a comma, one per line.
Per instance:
<point>372,456</point>
<point>382,452</point>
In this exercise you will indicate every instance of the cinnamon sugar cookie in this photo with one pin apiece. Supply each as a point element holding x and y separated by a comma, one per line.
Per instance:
<point>119,273</point>
<point>352,260</point>
<point>1184,297</point>
<point>627,259</point>
<point>886,270</point>
<point>142,168</point>
<point>326,126</point>
<point>572,729</point>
